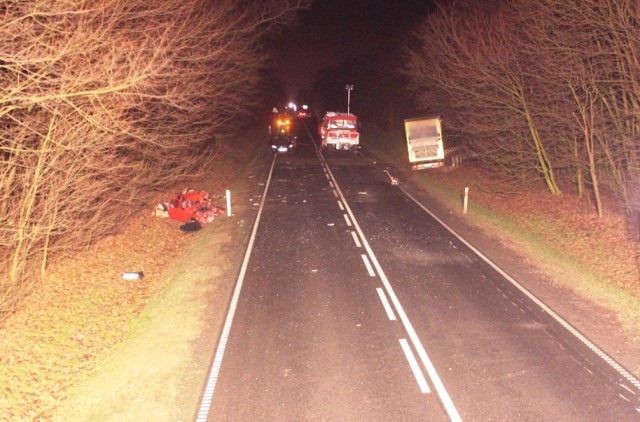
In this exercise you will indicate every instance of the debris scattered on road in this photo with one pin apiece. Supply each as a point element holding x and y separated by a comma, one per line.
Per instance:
<point>394,180</point>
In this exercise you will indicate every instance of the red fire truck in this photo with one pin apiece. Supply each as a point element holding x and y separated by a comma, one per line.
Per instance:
<point>339,131</point>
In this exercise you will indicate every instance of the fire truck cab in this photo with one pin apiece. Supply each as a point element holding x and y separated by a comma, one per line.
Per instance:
<point>339,131</point>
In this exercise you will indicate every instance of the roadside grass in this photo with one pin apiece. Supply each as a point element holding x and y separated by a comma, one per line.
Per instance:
<point>535,234</point>
<point>160,340</point>
<point>138,379</point>
<point>390,148</point>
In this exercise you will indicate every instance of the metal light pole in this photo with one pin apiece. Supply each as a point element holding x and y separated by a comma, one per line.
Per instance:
<point>349,88</point>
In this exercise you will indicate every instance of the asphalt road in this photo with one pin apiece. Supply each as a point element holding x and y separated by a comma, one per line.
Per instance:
<point>354,303</point>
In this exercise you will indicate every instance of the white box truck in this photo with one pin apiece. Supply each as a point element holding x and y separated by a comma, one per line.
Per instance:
<point>424,142</point>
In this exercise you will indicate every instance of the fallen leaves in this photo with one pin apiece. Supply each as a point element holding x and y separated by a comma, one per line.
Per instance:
<point>81,310</point>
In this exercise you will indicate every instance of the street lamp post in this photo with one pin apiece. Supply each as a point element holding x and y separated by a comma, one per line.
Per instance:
<point>349,88</point>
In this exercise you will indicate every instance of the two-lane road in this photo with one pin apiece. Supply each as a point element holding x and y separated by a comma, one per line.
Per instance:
<point>355,304</point>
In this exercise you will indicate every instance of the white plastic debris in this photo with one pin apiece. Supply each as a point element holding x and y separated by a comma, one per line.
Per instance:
<point>132,275</point>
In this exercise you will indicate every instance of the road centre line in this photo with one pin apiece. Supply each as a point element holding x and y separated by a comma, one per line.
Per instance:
<point>385,304</point>
<point>331,184</point>
<point>205,403</point>
<point>415,368</point>
<point>574,331</point>
<point>368,265</point>
<point>450,408</point>
<point>340,205</point>
<point>335,194</point>
<point>355,239</point>
<point>346,219</point>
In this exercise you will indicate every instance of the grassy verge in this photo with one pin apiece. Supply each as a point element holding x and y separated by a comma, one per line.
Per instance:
<point>138,381</point>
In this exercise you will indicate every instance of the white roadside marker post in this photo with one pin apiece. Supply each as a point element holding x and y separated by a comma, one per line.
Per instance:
<point>466,200</point>
<point>228,195</point>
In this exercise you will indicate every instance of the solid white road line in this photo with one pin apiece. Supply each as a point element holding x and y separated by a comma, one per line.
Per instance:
<point>207,398</point>
<point>385,304</point>
<point>422,383</point>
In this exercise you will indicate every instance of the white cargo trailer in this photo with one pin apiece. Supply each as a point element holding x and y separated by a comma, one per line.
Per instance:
<point>424,142</point>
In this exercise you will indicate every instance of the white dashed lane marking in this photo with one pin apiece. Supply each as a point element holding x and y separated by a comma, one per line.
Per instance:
<point>385,304</point>
<point>367,264</point>
<point>355,239</point>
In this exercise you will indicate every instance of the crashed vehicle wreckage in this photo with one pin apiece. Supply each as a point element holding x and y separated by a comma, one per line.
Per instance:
<point>189,207</point>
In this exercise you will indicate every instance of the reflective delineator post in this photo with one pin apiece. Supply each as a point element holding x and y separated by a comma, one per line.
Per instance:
<point>466,200</point>
<point>228,195</point>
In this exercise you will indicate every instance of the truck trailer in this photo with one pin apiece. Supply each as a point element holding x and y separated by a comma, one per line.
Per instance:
<point>424,142</point>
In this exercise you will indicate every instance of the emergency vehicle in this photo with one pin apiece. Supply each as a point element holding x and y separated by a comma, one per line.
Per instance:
<point>280,124</point>
<point>339,131</point>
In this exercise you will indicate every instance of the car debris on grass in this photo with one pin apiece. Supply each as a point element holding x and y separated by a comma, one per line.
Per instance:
<point>189,207</point>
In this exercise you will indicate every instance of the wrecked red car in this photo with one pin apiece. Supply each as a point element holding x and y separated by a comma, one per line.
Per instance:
<point>189,207</point>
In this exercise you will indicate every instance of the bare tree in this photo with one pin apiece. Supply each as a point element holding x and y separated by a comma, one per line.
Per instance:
<point>103,102</point>
<point>566,72</point>
<point>594,50</point>
<point>469,52</point>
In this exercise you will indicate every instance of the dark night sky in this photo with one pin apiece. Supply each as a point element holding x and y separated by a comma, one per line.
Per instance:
<point>333,31</point>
